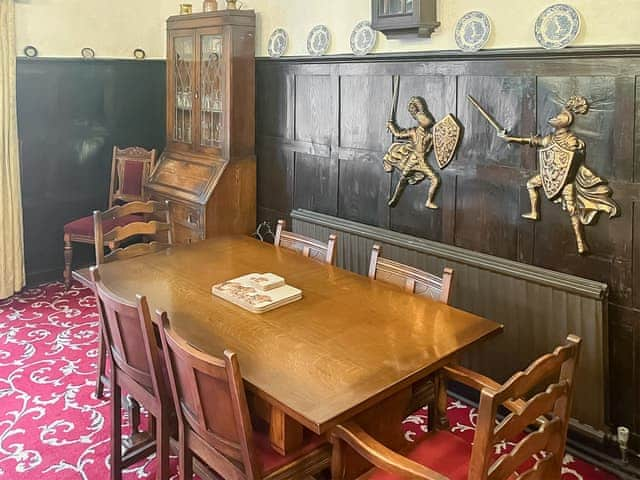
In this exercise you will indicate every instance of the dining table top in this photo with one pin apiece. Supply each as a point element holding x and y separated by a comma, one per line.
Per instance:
<point>348,343</point>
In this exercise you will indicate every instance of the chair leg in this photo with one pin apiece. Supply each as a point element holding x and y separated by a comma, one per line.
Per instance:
<point>116,430</point>
<point>185,457</point>
<point>102,365</point>
<point>162,445</point>
<point>68,255</point>
<point>438,408</point>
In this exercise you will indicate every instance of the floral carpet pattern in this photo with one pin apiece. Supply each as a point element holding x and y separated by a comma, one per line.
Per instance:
<point>51,424</point>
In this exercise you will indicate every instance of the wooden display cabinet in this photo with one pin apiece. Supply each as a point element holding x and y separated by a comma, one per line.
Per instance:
<point>402,18</point>
<point>208,170</point>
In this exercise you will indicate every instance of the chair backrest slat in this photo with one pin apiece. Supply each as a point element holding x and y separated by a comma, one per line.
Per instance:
<point>129,335</point>
<point>409,278</point>
<point>309,247</point>
<point>130,169</point>
<point>213,405</point>
<point>158,225</point>
<point>549,382</point>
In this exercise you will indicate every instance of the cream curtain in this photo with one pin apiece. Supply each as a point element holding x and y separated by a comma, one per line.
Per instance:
<point>11,245</point>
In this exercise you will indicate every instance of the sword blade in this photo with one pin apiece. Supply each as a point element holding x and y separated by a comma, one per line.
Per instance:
<point>396,92</point>
<point>488,117</point>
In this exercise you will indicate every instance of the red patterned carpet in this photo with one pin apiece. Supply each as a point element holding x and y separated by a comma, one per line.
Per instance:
<point>52,426</point>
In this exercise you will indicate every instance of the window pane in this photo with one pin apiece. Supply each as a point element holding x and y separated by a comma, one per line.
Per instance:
<point>392,7</point>
<point>396,7</point>
<point>183,66</point>
<point>211,91</point>
<point>409,8</point>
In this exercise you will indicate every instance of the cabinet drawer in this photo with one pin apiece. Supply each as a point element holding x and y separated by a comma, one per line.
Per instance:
<point>183,235</point>
<point>186,215</point>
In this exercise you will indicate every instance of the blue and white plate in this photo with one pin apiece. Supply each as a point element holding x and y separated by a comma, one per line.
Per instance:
<point>473,31</point>
<point>278,43</point>
<point>363,38</point>
<point>557,26</point>
<point>318,40</point>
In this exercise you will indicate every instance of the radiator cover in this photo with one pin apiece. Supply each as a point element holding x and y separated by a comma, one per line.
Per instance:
<point>538,307</point>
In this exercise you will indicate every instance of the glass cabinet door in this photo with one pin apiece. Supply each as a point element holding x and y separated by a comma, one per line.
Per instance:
<point>212,101</point>
<point>183,65</point>
<point>395,7</point>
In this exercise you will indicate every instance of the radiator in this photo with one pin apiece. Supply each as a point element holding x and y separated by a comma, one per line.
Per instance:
<point>538,307</point>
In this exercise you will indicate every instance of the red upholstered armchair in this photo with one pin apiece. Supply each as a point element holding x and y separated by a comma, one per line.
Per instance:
<point>130,169</point>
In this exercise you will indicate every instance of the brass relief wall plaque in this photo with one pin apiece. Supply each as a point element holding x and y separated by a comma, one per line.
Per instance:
<point>562,173</point>
<point>409,154</point>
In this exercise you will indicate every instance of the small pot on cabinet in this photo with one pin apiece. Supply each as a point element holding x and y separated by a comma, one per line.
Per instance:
<point>209,6</point>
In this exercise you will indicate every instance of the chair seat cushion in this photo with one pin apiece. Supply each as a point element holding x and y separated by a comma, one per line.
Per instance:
<point>270,460</point>
<point>442,452</point>
<point>84,226</point>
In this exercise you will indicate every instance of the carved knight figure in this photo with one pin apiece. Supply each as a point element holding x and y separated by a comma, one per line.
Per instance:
<point>562,174</point>
<point>409,155</point>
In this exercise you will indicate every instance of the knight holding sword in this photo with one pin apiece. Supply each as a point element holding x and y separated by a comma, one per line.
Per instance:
<point>562,173</point>
<point>408,154</point>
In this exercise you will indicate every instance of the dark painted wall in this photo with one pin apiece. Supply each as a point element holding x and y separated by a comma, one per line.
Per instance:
<point>321,138</point>
<point>70,114</point>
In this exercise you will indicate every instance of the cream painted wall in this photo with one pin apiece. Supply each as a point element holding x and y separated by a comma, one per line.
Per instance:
<point>114,28</point>
<point>605,22</point>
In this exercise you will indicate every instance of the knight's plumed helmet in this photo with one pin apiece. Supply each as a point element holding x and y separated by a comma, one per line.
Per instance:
<point>417,105</point>
<point>577,105</point>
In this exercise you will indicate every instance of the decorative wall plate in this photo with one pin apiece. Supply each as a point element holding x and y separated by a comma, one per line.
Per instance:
<point>557,26</point>
<point>363,38</point>
<point>87,52</point>
<point>278,43</point>
<point>472,31</point>
<point>139,54</point>
<point>30,51</point>
<point>318,40</point>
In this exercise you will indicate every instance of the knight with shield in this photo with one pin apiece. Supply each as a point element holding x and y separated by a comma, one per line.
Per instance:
<point>409,154</point>
<point>561,171</point>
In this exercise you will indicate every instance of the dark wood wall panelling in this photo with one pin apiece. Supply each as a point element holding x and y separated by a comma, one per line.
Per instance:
<point>321,138</point>
<point>70,114</point>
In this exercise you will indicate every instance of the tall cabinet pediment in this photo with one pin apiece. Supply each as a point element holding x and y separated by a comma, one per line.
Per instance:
<point>208,170</point>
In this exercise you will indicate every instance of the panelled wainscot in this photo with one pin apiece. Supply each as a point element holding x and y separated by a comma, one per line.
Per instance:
<point>208,170</point>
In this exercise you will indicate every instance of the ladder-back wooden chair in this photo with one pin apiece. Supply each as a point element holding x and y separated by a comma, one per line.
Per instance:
<point>214,422</point>
<point>410,279</point>
<point>417,282</point>
<point>309,247</point>
<point>136,367</point>
<point>142,211</point>
<point>153,220</point>
<point>130,169</point>
<point>538,422</point>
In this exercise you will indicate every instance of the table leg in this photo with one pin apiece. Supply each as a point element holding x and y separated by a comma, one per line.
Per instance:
<point>137,439</point>
<point>285,433</point>
<point>384,423</point>
<point>438,408</point>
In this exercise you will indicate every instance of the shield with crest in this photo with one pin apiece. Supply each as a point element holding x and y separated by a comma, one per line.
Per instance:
<point>446,137</point>
<point>555,165</point>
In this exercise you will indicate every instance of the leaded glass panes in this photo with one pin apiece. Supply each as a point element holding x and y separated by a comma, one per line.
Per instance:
<point>183,101</point>
<point>211,90</point>
<point>395,7</point>
<point>409,7</point>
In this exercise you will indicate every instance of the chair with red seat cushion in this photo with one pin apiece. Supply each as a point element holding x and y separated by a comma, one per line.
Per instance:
<point>441,455</point>
<point>123,223</point>
<point>214,422</point>
<point>136,367</point>
<point>420,283</point>
<point>130,169</point>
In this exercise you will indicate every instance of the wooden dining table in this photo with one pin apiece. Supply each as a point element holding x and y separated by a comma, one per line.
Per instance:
<point>349,349</point>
